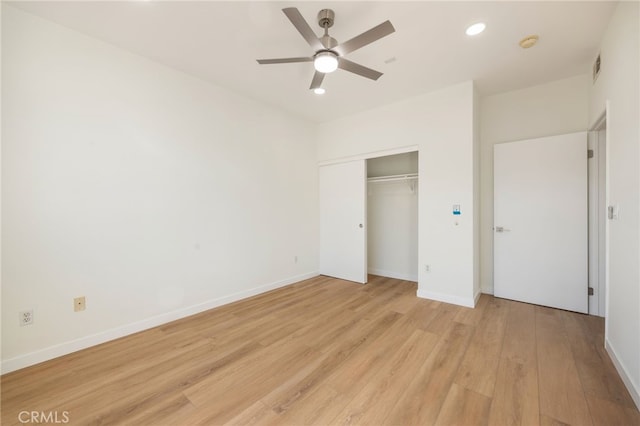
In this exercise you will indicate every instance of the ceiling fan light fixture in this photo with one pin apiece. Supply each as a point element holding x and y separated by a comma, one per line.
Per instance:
<point>319,91</point>
<point>325,62</point>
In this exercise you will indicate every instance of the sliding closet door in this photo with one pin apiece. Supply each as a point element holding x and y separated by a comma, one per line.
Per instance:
<point>343,242</point>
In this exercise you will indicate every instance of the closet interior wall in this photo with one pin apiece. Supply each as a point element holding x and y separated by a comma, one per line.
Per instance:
<point>392,216</point>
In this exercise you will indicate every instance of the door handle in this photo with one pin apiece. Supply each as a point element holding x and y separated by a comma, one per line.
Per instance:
<point>361,226</point>
<point>501,229</point>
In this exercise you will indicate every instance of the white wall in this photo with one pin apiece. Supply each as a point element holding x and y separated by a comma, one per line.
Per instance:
<point>441,125</point>
<point>392,229</point>
<point>553,108</point>
<point>150,192</point>
<point>619,84</point>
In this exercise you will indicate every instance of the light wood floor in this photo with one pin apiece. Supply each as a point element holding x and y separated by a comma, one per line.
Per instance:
<point>327,352</point>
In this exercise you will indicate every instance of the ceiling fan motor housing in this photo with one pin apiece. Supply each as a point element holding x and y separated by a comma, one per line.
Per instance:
<point>326,18</point>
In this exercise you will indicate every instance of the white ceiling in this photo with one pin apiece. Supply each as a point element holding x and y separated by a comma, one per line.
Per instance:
<point>220,41</point>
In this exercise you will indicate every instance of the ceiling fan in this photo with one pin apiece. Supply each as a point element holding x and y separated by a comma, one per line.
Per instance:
<point>329,55</point>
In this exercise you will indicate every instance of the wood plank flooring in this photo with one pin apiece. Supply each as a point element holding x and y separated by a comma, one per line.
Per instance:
<point>329,352</point>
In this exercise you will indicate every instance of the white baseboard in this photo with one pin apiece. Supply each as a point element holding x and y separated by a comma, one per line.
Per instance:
<point>468,302</point>
<point>631,387</point>
<point>476,297</point>
<point>65,348</point>
<point>487,290</point>
<point>391,274</point>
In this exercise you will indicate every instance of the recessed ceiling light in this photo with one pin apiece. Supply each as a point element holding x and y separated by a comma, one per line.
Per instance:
<point>319,91</point>
<point>476,29</point>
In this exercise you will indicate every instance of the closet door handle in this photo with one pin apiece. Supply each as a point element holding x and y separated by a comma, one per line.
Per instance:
<point>360,226</point>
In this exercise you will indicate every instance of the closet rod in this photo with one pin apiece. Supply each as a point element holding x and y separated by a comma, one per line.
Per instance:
<point>392,178</point>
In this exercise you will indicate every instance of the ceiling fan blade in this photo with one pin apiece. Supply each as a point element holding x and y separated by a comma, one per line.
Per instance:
<point>317,80</point>
<point>303,27</point>
<point>283,60</point>
<point>367,37</point>
<point>347,65</point>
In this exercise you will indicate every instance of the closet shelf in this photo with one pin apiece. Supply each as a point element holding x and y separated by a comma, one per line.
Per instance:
<point>392,178</point>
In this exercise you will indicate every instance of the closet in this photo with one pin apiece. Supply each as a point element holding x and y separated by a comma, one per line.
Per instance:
<point>369,218</point>
<point>392,216</point>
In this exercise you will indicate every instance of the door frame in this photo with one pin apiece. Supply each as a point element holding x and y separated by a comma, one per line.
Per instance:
<point>601,298</point>
<point>373,154</point>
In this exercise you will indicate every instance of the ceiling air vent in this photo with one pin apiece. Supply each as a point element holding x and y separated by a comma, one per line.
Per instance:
<point>596,68</point>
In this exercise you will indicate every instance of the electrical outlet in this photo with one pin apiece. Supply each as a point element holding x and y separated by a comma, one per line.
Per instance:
<point>427,268</point>
<point>79,304</point>
<point>25,317</point>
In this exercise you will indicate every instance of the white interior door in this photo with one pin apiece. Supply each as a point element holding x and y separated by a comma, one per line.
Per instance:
<point>540,221</point>
<point>343,236</point>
